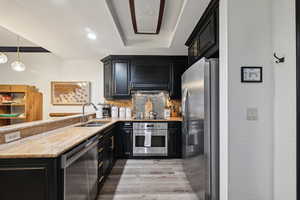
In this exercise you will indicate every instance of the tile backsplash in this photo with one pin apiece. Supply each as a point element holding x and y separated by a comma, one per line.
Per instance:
<point>175,105</point>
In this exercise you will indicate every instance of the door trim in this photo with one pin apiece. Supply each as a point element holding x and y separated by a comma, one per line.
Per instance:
<point>298,92</point>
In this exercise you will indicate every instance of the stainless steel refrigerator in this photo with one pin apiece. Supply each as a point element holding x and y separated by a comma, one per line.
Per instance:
<point>200,110</point>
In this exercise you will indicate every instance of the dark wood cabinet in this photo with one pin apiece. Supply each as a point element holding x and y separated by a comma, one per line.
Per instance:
<point>34,179</point>
<point>107,79</point>
<point>124,74</point>
<point>175,140</point>
<point>106,153</point>
<point>124,140</point>
<point>148,74</point>
<point>177,71</point>
<point>204,40</point>
<point>121,73</point>
<point>116,79</point>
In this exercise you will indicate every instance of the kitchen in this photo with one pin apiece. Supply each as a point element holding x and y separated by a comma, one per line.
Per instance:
<point>139,99</point>
<point>60,141</point>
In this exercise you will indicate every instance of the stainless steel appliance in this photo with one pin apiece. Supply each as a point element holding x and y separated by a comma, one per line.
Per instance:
<point>106,110</point>
<point>80,171</point>
<point>150,139</point>
<point>200,110</point>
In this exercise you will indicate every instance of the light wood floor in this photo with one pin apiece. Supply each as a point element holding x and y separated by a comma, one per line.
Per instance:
<point>147,180</point>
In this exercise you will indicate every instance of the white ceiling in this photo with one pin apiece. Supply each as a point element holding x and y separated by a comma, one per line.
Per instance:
<point>172,12</point>
<point>146,13</point>
<point>8,38</point>
<point>61,27</point>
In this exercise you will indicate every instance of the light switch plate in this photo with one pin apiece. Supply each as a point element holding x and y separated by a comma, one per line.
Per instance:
<point>12,136</point>
<point>252,114</point>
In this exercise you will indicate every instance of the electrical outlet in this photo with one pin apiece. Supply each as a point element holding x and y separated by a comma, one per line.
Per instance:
<point>12,136</point>
<point>252,114</point>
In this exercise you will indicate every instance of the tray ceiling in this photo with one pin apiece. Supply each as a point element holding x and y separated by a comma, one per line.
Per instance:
<point>153,22</point>
<point>61,26</point>
<point>146,16</point>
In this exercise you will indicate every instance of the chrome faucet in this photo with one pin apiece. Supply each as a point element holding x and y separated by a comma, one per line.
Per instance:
<point>83,110</point>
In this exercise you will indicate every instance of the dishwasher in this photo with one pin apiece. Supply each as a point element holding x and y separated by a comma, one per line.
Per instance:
<point>80,171</point>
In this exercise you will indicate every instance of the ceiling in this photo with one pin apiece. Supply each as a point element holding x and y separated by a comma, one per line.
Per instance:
<point>61,26</point>
<point>8,38</point>
<point>171,15</point>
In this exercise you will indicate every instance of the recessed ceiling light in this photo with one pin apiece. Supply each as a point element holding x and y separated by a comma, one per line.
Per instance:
<point>92,36</point>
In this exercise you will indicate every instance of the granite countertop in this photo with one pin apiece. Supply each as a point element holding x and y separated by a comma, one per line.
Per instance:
<point>54,143</point>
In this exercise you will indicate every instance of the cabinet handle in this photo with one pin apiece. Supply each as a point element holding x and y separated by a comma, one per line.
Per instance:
<point>101,179</point>
<point>100,150</point>
<point>100,164</point>
<point>113,142</point>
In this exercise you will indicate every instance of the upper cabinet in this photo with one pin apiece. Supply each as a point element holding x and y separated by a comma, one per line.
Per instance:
<point>204,40</point>
<point>150,74</point>
<point>116,79</point>
<point>120,74</point>
<point>125,74</point>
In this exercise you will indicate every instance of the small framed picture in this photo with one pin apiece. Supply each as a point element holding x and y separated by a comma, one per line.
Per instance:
<point>251,74</point>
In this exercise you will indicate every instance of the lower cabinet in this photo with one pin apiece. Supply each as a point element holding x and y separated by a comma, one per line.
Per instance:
<point>124,140</point>
<point>34,179</point>
<point>106,153</point>
<point>175,140</point>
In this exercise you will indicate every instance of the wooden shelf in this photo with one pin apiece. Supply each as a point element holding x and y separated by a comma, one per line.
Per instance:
<point>12,117</point>
<point>13,104</point>
<point>24,99</point>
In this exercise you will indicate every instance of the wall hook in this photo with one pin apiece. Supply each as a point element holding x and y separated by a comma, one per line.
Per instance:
<point>279,60</point>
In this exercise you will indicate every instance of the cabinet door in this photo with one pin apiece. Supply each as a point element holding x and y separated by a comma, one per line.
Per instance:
<point>106,147</point>
<point>207,35</point>
<point>175,146</point>
<point>111,156</point>
<point>127,147</point>
<point>178,69</point>
<point>34,179</point>
<point>107,80</point>
<point>204,41</point>
<point>121,70</point>
<point>150,74</point>
<point>123,143</point>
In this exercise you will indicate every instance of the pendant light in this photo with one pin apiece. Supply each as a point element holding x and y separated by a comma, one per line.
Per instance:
<point>18,65</point>
<point>3,58</point>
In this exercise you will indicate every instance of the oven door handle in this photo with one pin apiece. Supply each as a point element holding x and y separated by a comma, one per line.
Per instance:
<point>67,161</point>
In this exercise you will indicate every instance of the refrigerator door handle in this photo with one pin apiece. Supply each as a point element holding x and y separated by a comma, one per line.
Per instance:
<point>186,110</point>
<point>185,117</point>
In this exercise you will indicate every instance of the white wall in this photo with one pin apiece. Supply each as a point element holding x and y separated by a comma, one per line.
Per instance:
<point>223,72</point>
<point>284,43</point>
<point>261,154</point>
<point>43,68</point>
<point>250,143</point>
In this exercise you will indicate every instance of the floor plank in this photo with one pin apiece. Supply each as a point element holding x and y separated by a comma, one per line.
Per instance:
<point>147,180</point>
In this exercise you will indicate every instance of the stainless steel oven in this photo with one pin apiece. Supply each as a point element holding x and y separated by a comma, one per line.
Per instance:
<point>80,171</point>
<point>150,139</point>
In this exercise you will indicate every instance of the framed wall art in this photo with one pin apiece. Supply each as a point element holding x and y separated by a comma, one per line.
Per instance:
<point>251,74</point>
<point>70,93</point>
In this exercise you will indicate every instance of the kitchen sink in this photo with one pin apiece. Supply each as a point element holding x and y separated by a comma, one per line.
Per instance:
<point>93,124</point>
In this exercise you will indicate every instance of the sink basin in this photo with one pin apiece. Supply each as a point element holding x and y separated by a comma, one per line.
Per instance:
<point>92,124</point>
